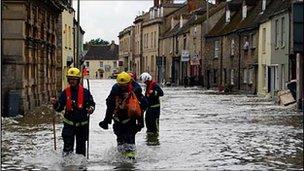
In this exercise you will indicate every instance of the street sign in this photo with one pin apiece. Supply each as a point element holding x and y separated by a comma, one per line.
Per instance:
<point>194,60</point>
<point>185,57</point>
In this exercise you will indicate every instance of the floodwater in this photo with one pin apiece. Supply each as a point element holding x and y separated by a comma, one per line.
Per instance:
<point>199,130</point>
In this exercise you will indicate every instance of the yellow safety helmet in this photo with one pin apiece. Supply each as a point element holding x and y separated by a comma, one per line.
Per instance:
<point>123,78</point>
<point>74,72</point>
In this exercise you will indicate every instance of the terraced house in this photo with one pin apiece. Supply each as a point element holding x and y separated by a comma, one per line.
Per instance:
<point>101,61</point>
<point>231,45</point>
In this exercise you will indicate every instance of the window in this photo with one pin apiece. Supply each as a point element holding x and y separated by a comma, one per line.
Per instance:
<point>185,42</point>
<point>232,77</point>
<point>250,81</point>
<point>154,39</point>
<point>115,64</point>
<point>227,16</point>
<point>194,32</point>
<point>152,63</point>
<point>216,49</point>
<point>176,45</point>
<point>151,36</point>
<point>232,47</point>
<point>69,38</point>
<point>65,36</point>
<point>245,76</point>
<point>263,5</point>
<point>246,43</point>
<point>161,11</point>
<point>101,64</point>
<point>87,64</point>
<point>282,32</point>
<point>181,22</point>
<point>215,76</point>
<point>244,10</point>
<point>264,40</point>
<point>253,40</point>
<point>172,23</point>
<point>276,33</point>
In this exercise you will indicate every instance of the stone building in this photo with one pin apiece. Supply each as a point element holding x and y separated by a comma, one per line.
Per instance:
<point>29,58</point>
<point>138,64</point>
<point>126,49</point>
<point>274,47</point>
<point>101,60</point>
<point>232,54</point>
<point>65,41</point>
<point>153,26</point>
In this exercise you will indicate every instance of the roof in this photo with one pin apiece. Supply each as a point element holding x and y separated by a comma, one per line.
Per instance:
<point>274,7</point>
<point>101,52</point>
<point>236,22</point>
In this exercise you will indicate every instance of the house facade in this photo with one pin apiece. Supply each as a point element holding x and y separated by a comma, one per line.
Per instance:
<point>29,56</point>
<point>126,49</point>
<point>102,61</point>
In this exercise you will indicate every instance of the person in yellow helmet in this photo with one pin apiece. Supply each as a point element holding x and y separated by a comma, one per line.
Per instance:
<point>125,127</point>
<point>78,104</point>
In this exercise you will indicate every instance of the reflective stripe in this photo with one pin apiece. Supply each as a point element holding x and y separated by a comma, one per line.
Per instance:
<point>73,123</point>
<point>123,122</point>
<point>156,105</point>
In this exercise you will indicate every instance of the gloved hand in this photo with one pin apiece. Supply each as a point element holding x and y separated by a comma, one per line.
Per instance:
<point>103,125</point>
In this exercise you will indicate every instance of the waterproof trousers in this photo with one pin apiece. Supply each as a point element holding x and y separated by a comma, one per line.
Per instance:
<point>125,132</point>
<point>69,133</point>
<point>152,119</point>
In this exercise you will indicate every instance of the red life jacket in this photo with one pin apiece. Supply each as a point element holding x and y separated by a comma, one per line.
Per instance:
<point>80,96</point>
<point>150,87</point>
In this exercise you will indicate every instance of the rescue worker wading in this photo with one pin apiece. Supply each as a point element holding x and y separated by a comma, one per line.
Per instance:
<point>125,126</point>
<point>153,92</point>
<point>78,104</point>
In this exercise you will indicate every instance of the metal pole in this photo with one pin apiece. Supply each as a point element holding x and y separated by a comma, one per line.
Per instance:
<point>54,131</point>
<point>77,36</point>
<point>88,144</point>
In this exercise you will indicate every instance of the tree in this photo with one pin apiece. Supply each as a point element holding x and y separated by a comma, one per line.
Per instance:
<point>97,41</point>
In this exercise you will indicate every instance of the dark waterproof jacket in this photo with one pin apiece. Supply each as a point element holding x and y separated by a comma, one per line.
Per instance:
<point>117,92</point>
<point>153,96</point>
<point>77,115</point>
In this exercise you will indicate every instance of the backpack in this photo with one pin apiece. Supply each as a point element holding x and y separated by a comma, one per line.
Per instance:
<point>133,106</point>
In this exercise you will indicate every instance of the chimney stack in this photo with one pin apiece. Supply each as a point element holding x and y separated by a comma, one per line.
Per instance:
<point>156,3</point>
<point>112,45</point>
<point>192,5</point>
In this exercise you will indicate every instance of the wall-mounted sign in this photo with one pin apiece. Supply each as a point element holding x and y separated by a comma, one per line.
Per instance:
<point>185,57</point>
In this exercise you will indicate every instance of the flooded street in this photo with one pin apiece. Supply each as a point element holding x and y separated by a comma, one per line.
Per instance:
<point>198,130</point>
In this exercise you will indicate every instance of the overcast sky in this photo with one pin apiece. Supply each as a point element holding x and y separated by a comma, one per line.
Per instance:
<point>106,18</point>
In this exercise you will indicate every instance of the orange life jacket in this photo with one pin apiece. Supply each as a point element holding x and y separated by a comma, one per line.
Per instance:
<point>80,96</point>
<point>129,103</point>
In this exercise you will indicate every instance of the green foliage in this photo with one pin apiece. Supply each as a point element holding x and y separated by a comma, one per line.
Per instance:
<point>97,41</point>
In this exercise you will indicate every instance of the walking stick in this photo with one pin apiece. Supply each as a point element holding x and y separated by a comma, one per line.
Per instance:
<point>88,84</point>
<point>54,131</point>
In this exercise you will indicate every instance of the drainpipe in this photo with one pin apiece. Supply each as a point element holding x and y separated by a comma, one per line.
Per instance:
<point>239,62</point>
<point>299,80</point>
<point>161,67</point>
<point>221,62</point>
